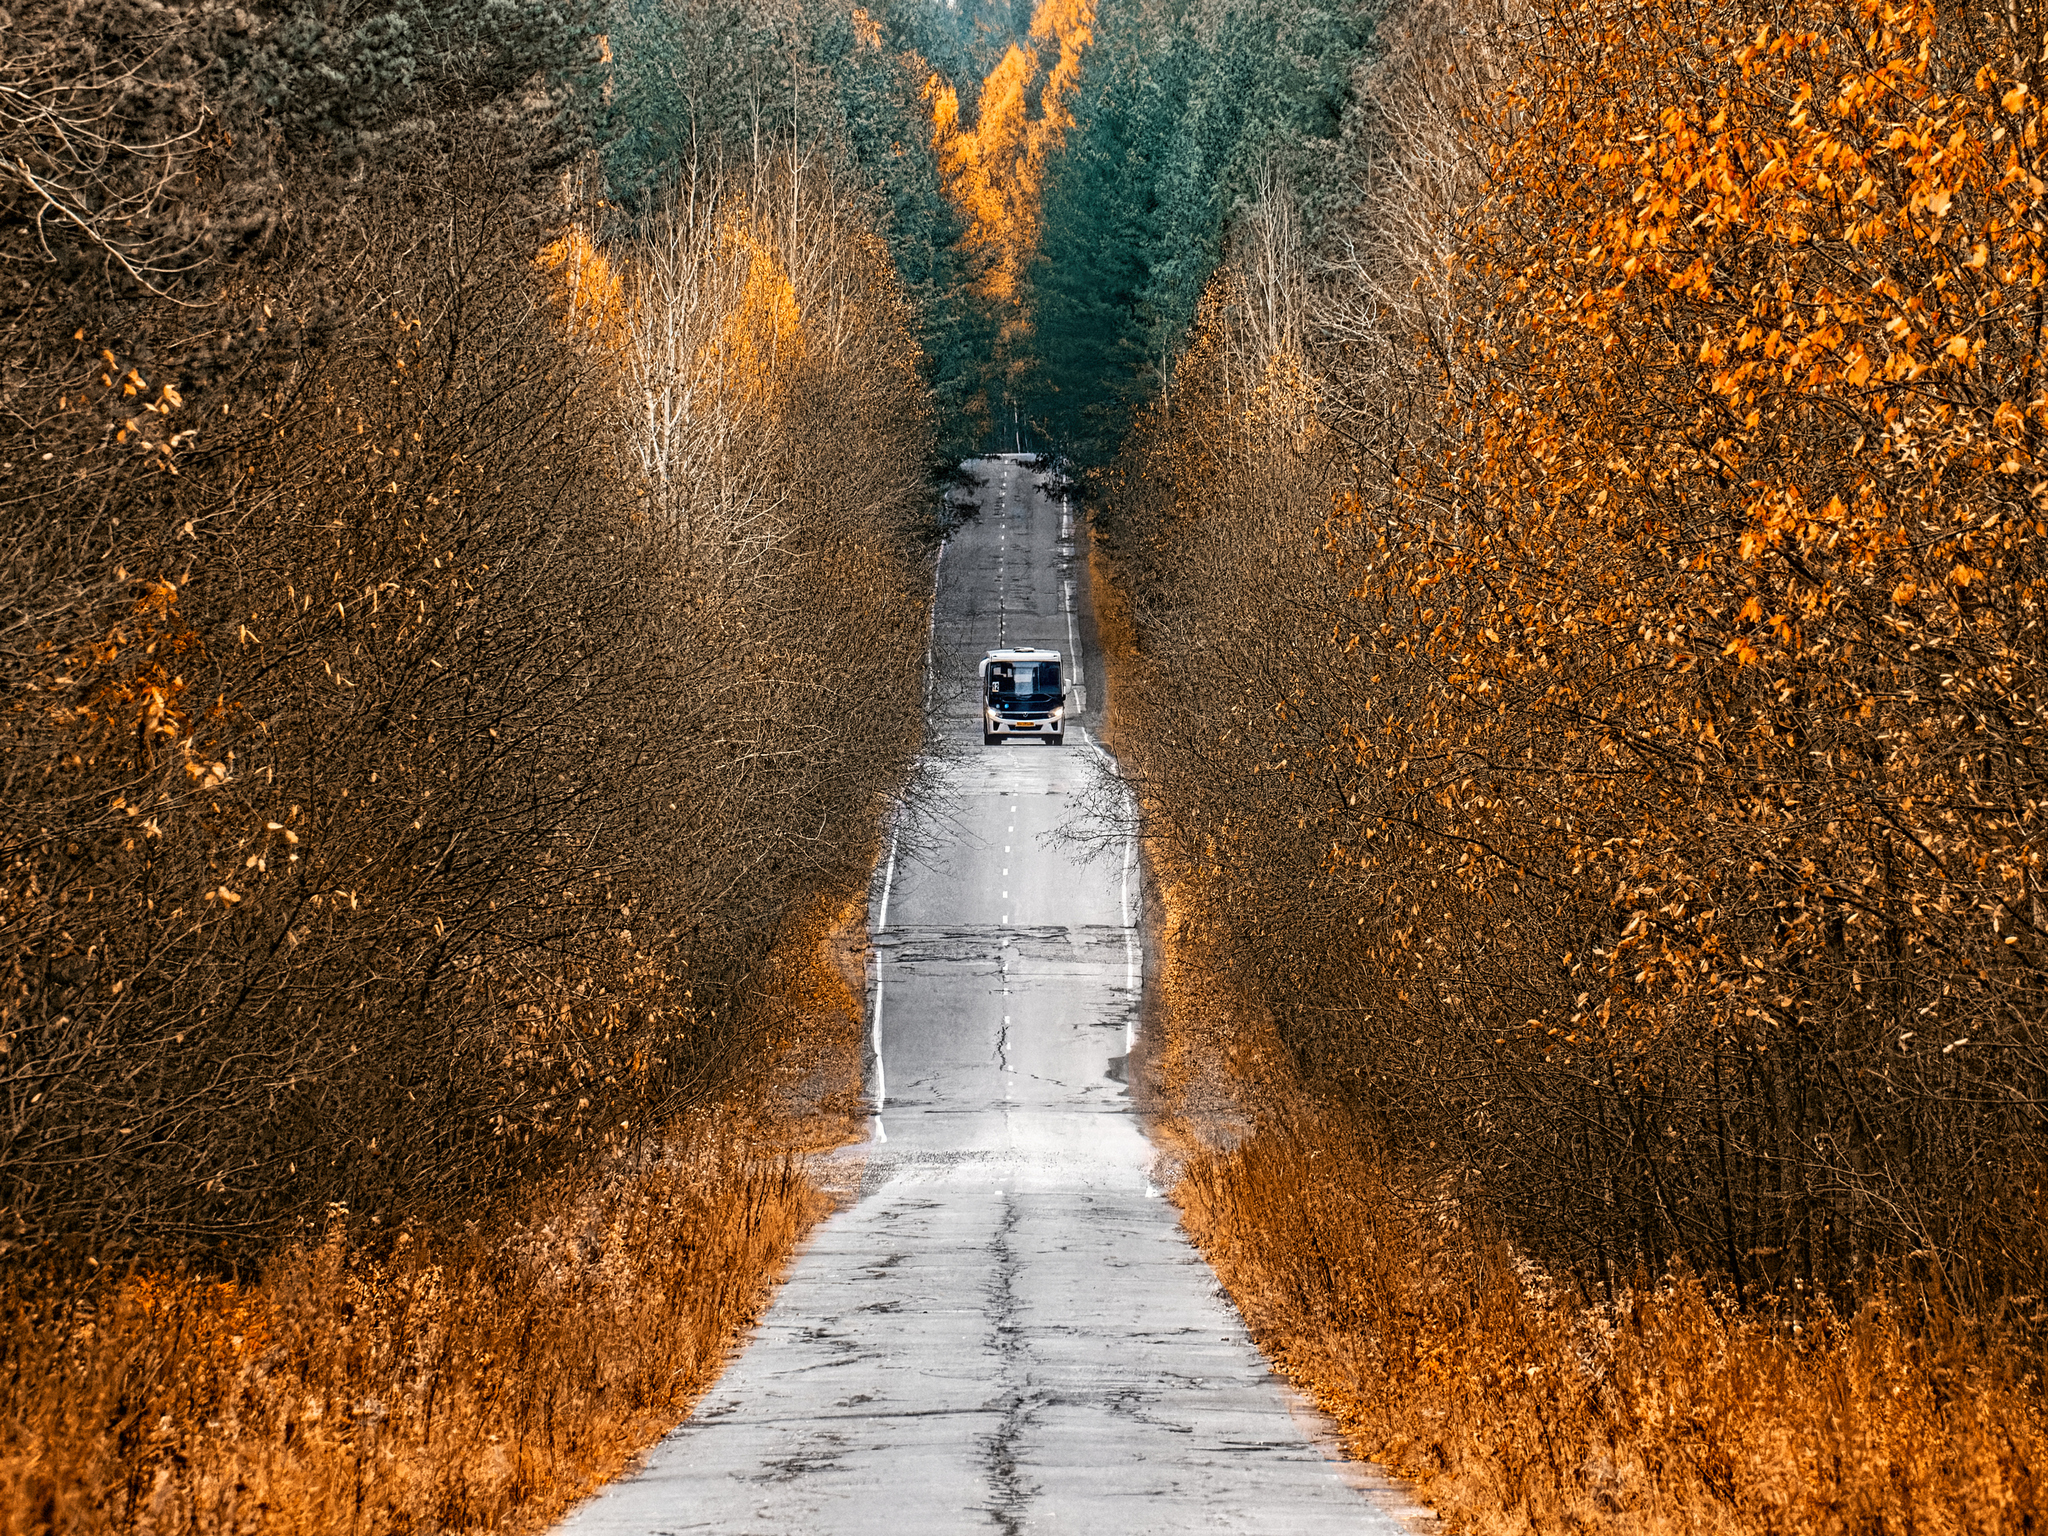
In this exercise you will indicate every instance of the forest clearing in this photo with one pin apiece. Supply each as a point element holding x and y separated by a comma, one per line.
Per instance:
<point>1549,500</point>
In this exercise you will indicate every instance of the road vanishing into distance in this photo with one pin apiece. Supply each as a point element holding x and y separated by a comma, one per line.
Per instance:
<point>1006,1328</point>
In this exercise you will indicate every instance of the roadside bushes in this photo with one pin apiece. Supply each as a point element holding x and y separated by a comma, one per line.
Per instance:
<point>401,793</point>
<point>1576,644</point>
<point>1593,673</point>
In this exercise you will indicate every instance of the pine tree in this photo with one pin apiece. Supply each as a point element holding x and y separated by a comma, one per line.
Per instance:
<point>1184,112</point>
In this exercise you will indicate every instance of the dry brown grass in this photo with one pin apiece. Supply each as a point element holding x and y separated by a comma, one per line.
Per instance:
<point>480,1382</point>
<point>1515,1409</point>
<point>436,1381</point>
<point>1515,1406</point>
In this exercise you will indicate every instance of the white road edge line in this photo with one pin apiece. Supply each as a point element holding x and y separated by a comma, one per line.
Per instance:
<point>931,632</point>
<point>1123,906</point>
<point>1073,635</point>
<point>1123,902</point>
<point>1074,650</point>
<point>875,1012</point>
<point>931,628</point>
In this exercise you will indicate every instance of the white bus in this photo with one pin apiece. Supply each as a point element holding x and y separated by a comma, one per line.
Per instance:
<point>1021,695</point>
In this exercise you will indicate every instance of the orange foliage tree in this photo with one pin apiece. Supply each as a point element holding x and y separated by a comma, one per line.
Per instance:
<point>1659,837</point>
<point>994,169</point>
<point>1728,599</point>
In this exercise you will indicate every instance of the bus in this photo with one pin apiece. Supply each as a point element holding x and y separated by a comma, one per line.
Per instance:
<point>1021,696</point>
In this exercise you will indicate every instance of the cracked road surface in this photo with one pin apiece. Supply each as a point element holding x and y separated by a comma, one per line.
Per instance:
<point>1007,1330</point>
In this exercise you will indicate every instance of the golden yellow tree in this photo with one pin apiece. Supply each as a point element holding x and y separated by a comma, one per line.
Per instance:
<point>994,168</point>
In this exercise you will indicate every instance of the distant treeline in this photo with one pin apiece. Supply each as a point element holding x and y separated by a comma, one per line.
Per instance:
<point>1589,598</point>
<point>450,630</point>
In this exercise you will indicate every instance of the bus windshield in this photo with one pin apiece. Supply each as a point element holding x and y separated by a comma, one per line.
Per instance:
<point>1023,682</point>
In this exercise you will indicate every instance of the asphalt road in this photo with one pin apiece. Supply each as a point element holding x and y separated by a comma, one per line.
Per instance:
<point>1006,1330</point>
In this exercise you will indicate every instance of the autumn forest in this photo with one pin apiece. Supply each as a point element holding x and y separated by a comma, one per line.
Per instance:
<point>1567,502</point>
